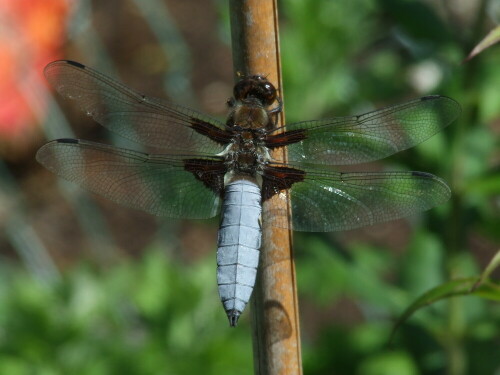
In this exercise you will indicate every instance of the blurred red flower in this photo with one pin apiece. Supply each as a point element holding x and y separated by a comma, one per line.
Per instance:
<point>31,35</point>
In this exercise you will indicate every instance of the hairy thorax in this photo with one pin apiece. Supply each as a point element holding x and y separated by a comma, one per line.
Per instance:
<point>247,153</point>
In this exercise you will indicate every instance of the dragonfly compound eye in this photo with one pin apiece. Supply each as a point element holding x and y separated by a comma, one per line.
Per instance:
<point>257,87</point>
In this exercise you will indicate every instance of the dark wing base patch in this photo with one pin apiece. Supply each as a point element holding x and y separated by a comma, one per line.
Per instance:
<point>286,138</point>
<point>276,179</point>
<point>213,132</point>
<point>210,172</point>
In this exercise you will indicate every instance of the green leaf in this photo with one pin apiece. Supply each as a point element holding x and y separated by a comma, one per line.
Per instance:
<point>487,185</point>
<point>424,257</point>
<point>494,263</point>
<point>490,39</point>
<point>458,287</point>
<point>388,363</point>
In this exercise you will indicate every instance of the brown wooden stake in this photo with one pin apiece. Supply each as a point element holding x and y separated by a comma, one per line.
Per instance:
<point>275,324</point>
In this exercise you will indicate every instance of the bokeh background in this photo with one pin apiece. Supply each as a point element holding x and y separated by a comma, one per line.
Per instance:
<point>89,287</point>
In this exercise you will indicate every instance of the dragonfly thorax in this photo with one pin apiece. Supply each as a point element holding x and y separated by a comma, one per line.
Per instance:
<point>248,115</point>
<point>247,154</point>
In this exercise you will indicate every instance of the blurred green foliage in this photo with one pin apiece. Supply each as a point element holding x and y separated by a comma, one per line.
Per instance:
<point>156,315</point>
<point>146,317</point>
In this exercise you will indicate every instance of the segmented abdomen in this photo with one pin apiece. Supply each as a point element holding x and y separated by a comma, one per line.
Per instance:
<point>238,246</point>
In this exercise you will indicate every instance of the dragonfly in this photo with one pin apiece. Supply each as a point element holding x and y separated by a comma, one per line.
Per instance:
<point>205,166</point>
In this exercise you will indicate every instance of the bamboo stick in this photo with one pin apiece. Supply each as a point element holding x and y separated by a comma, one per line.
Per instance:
<point>275,323</point>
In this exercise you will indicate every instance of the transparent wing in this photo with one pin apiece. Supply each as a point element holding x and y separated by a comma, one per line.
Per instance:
<point>374,135</point>
<point>145,120</point>
<point>158,184</point>
<point>329,201</point>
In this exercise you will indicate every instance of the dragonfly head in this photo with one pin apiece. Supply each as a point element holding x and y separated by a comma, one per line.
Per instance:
<point>255,87</point>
